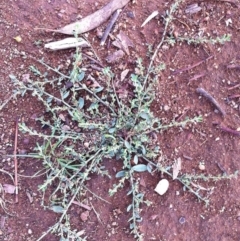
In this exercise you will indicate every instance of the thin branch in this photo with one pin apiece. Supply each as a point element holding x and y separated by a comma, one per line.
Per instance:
<point>16,162</point>
<point>204,93</point>
<point>109,27</point>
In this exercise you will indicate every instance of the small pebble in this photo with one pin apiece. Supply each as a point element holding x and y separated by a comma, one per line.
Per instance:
<point>201,166</point>
<point>29,231</point>
<point>166,108</point>
<point>182,220</point>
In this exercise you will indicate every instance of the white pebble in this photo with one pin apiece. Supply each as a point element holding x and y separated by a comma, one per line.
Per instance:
<point>162,186</point>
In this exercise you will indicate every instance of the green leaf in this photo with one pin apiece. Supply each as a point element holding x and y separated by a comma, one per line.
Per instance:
<point>121,174</point>
<point>80,102</point>
<point>81,76</point>
<point>135,159</point>
<point>127,144</point>
<point>139,168</point>
<point>144,115</point>
<point>149,168</point>
<point>57,209</point>
<point>129,207</point>
<point>65,95</point>
<point>111,130</point>
<point>99,89</point>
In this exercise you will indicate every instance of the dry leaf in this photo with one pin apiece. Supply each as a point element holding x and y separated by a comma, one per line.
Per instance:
<point>112,58</point>
<point>153,217</point>
<point>124,74</point>
<point>8,188</point>
<point>142,182</point>
<point>150,17</point>
<point>84,216</point>
<point>177,167</point>
<point>66,128</point>
<point>123,42</point>
<point>18,39</point>
<point>29,195</point>
<point>82,205</point>
<point>193,8</point>
<point>67,43</point>
<point>93,20</point>
<point>62,117</point>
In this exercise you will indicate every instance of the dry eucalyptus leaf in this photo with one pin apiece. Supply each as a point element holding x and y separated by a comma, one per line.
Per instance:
<point>124,74</point>
<point>150,17</point>
<point>177,167</point>
<point>62,117</point>
<point>84,216</point>
<point>8,188</point>
<point>123,42</point>
<point>66,128</point>
<point>112,58</point>
<point>93,20</point>
<point>18,39</point>
<point>67,43</point>
<point>193,8</point>
<point>29,195</point>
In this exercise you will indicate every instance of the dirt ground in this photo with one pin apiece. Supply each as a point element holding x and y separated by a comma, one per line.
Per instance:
<point>177,215</point>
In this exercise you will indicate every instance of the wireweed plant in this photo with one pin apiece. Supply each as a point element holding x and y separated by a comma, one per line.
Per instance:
<point>88,123</point>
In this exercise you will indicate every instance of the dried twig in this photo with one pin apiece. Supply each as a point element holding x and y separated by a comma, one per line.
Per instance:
<point>191,67</point>
<point>234,87</point>
<point>15,161</point>
<point>204,93</point>
<point>195,77</point>
<point>94,60</point>
<point>82,205</point>
<point>229,130</point>
<point>109,27</point>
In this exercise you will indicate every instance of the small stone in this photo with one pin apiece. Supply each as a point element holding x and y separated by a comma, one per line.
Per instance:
<point>84,216</point>
<point>182,220</point>
<point>166,108</point>
<point>86,144</point>
<point>201,166</point>
<point>30,231</point>
<point>162,187</point>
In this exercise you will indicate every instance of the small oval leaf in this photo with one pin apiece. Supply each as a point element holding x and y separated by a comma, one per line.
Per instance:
<point>80,102</point>
<point>111,130</point>
<point>135,159</point>
<point>57,209</point>
<point>139,168</point>
<point>81,76</point>
<point>127,144</point>
<point>120,174</point>
<point>129,207</point>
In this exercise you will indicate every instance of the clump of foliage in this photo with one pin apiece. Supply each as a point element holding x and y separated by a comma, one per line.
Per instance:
<point>90,123</point>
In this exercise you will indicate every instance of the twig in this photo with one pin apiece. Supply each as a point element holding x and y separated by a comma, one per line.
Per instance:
<point>222,168</point>
<point>109,27</point>
<point>15,162</point>
<point>3,171</point>
<point>94,60</point>
<point>229,130</point>
<point>97,214</point>
<point>183,23</point>
<point>82,205</point>
<point>195,77</point>
<point>191,67</point>
<point>233,66</point>
<point>96,195</point>
<point>204,93</point>
<point>7,100</point>
<point>234,87</point>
